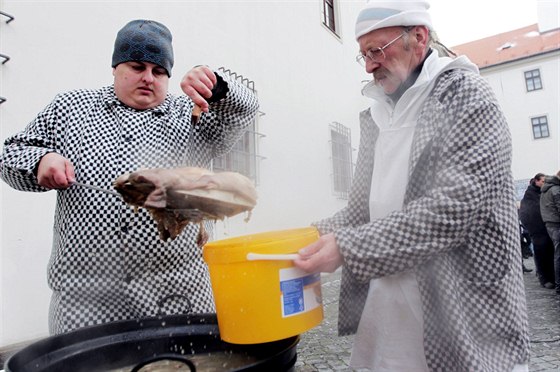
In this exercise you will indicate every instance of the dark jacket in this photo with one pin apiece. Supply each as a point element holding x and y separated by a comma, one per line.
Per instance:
<point>550,201</point>
<point>530,215</point>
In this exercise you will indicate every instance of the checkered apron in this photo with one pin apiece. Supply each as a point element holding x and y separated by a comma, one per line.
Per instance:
<point>107,262</point>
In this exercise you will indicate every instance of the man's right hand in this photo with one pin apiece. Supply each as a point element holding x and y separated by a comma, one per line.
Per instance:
<point>55,171</point>
<point>198,84</point>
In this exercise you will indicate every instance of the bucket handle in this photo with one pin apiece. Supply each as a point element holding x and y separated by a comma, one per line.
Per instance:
<point>271,257</point>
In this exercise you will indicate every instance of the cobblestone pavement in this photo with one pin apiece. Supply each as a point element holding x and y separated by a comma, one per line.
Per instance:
<point>320,349</point>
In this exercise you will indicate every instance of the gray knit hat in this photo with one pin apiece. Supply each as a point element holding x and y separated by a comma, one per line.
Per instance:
<point>146,41</point>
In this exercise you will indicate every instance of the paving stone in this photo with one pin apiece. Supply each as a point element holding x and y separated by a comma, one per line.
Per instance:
<point>321,350</point>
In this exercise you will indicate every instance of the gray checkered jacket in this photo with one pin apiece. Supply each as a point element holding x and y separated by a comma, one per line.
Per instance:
<point>458,231</point>
<point>107,261</point>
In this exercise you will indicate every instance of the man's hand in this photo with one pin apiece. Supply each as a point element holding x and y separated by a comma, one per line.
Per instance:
<point>320,256</point>
<point>55,171</point>
<point>198,84</point>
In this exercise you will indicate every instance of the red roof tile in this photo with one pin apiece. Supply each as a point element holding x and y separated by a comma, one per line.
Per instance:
<point>509,46</point>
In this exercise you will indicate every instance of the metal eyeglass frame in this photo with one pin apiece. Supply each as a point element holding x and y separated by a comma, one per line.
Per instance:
<point>377,54</point>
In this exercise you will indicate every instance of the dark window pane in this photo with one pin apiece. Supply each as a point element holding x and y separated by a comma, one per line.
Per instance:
<point>538,83</point>
<point>329,15</point>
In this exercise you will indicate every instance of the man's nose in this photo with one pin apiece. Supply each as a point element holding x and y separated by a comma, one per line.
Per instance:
<point>371,66</point>
<point>148,76</point>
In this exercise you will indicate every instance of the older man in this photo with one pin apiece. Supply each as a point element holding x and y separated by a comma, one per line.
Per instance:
<point>431,279</point>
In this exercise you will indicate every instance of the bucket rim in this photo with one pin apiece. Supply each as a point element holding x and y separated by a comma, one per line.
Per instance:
<point>235,249</point>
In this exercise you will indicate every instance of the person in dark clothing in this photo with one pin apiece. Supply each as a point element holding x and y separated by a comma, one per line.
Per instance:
<point>526,243</point>
<point>550,212</point>
<point>530,216</point>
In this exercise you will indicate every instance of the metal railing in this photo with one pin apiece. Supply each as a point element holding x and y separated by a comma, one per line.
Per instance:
<point>244,157</point>
<point>3,56</point>
<point>10,17</point>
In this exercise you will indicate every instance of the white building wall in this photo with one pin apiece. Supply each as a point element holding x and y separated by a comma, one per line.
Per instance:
<point>530,156</point>
<point>305,77</point>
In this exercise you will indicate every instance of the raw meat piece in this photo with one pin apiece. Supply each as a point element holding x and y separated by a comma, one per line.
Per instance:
<point>178,196</point>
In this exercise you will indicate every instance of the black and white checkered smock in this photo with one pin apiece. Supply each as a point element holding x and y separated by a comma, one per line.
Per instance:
<point>107,261</point>
<point>457,231</point>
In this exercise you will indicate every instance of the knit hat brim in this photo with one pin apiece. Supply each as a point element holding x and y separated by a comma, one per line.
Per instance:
<point>381,14</point>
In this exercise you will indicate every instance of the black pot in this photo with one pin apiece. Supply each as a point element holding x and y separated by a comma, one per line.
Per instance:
<point>190,340</point>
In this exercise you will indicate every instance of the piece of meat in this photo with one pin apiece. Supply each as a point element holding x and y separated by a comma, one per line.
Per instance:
<point>178,196</point>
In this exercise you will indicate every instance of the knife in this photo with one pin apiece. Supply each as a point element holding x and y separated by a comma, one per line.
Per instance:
<point>96,188</point>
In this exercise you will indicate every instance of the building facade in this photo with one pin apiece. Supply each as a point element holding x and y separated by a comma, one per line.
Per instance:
<point>523,68</point>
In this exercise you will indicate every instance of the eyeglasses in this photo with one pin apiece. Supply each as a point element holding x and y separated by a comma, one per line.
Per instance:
<point>375,54</point>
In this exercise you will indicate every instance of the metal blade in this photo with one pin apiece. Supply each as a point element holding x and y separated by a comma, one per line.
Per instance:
<point>96,188</point>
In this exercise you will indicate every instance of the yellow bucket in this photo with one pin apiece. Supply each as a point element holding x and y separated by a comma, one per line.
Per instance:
<point>260,295</point>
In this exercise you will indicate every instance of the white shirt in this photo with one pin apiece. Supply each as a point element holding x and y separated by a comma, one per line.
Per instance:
<point>390,333</point>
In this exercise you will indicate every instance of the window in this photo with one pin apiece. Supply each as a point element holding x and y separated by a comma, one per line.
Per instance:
<point>540,127</point>
<point>341,148</point>
<point>329,15</point>
<point>520,188</point>
<point>533,80</point>
<point>243,157</point>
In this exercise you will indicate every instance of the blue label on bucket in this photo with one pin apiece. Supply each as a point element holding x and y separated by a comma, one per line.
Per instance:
<point>300,292</point>
<point>292,292</point>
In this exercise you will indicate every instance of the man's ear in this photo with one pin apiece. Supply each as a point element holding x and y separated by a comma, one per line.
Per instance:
<point>421,34</point>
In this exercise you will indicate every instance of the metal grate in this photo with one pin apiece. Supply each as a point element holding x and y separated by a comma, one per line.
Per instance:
<point>3,56</point>
<point>341,156</point>
<point>244,157</point>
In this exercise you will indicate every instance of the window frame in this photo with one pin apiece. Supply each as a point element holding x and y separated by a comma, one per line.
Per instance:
<point>540,122</point>
<point>533,80</point>
<point>330,16</point>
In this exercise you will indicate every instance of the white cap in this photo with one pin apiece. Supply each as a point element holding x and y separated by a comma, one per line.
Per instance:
<point>380,14</point>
